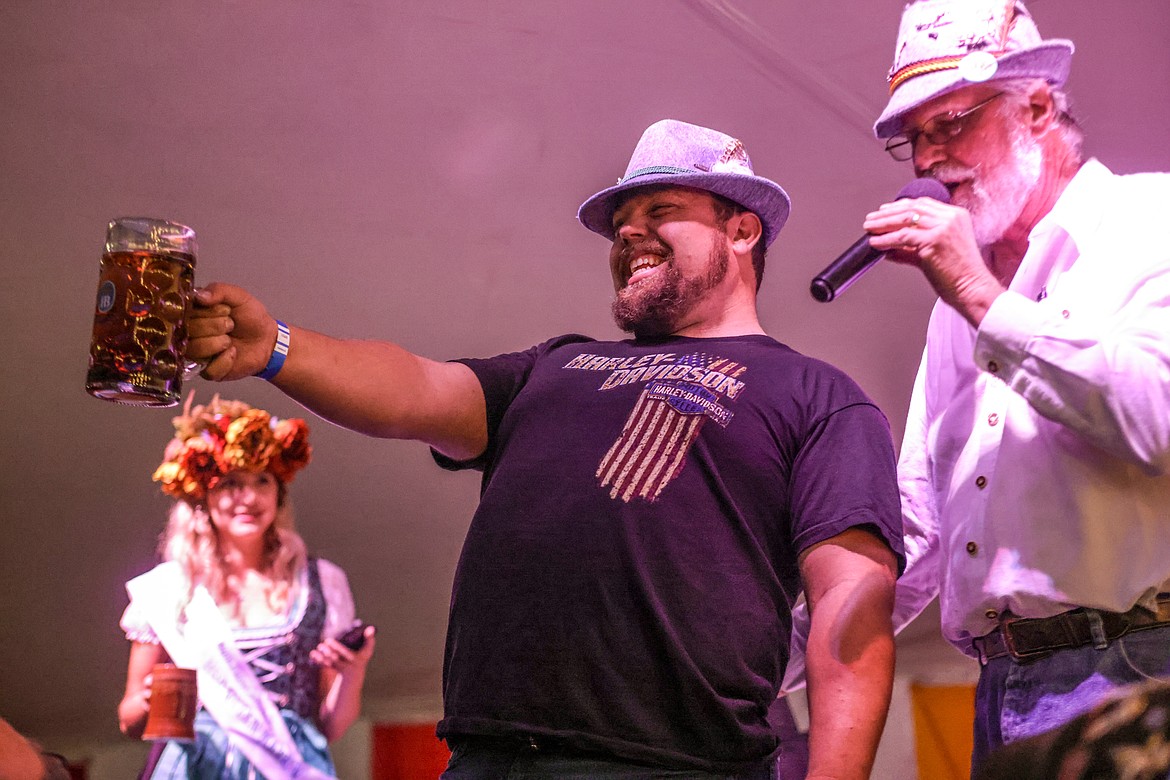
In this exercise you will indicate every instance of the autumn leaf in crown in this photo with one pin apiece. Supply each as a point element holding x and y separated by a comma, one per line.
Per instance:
<point>292,437</point>
<point>192,469</point>
<point>248,443</point>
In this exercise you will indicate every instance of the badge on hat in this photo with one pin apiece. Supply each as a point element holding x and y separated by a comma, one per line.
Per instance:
<point>978,66</point>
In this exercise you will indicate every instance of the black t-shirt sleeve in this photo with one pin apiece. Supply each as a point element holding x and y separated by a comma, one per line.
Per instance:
<point>845,476</point>
<point>502,378</point>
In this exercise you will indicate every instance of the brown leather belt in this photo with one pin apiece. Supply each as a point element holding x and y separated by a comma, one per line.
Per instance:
<point>1028,639</point>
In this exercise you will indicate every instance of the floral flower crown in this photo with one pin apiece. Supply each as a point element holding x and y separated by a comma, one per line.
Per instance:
<point>224,436</point>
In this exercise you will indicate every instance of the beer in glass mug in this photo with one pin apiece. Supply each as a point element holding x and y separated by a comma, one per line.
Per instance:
<point>145,286</point>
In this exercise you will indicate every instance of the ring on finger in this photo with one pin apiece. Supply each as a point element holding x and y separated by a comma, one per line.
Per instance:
<point>914,218</point>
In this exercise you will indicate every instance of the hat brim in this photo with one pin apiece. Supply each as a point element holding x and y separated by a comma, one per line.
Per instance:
<point>1050,60</point>
<point>765,198</point>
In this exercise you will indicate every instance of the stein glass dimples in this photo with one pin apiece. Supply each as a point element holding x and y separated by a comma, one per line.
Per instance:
<point>144,295</point>
<point>174,698</point>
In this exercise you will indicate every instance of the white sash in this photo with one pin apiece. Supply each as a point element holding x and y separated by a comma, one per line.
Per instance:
<point>228,688</point>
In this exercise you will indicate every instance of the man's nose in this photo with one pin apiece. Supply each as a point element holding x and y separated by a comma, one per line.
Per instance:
<point>927,154</point>
<point>632,229</point>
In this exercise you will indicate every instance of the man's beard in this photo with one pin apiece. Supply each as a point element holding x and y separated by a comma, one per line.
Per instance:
<point>656,306</point>
<point>999,192</point>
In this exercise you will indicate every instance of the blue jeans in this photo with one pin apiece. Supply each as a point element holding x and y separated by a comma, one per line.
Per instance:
<point>482,760</point>
<point>1016,700</point>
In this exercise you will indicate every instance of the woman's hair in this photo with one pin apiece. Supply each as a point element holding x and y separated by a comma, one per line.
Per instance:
<point>191,541</point>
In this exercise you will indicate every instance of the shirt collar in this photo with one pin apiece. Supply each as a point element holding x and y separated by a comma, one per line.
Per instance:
<point>1078,209</point>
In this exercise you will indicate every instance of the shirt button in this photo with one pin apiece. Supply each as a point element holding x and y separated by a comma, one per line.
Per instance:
<point>1064,314</point>
<point>972,548</point>
<point>993,419</point>
<point>991,614</point>
<point>980,482</point>
<point>992,366</point>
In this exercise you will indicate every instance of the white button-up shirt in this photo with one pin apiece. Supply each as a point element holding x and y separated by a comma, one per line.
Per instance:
<point>1035,468</point>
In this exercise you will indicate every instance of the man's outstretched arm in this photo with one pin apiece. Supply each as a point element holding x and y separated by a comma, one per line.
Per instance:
<point>373,387</point>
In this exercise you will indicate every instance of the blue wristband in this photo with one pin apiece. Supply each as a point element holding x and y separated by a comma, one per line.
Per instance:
<point>279,352</point>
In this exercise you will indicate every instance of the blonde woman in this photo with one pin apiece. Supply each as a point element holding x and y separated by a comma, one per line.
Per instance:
<point>238,598</point>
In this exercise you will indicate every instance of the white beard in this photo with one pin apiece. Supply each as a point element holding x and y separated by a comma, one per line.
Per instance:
<point>998,192</point>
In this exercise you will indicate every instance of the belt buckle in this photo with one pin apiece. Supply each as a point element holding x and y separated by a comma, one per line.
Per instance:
<point>1006,630</point>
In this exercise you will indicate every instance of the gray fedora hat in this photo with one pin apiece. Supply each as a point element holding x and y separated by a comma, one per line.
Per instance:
<point>685,155</point>
<point>947,44</point>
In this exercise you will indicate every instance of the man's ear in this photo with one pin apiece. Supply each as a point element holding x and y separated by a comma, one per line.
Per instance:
<point>748,231</point>
<point>1042,108</point>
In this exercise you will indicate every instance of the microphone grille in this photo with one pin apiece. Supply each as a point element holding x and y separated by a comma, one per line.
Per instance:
<point>925,187</point>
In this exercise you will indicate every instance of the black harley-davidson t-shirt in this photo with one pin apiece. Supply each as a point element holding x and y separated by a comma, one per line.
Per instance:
<point>627,579</point>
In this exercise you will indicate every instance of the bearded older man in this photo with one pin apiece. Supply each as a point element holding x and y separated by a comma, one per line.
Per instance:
<point>1035,492</point>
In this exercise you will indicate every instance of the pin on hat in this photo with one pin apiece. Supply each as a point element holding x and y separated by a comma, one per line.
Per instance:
<point>947,44</point>
<point>685,155</point>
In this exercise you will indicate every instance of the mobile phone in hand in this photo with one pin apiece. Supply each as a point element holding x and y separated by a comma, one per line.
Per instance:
<point>355,638</point>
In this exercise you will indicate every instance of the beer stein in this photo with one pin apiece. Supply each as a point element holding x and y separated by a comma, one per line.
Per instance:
<point>145,287</point>
<point>174,697</point>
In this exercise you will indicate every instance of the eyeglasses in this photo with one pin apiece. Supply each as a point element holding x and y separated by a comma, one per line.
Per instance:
<point>938,130</point>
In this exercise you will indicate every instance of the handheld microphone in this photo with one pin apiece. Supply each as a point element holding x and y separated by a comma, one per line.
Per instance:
<point>860,257</point>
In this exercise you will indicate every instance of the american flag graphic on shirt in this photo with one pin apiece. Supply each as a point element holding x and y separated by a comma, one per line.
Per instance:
<point>681,394</point>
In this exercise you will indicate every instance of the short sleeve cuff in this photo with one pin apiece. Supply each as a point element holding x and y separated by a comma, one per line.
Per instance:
<point>135,626</point>
<point>339,612</point>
